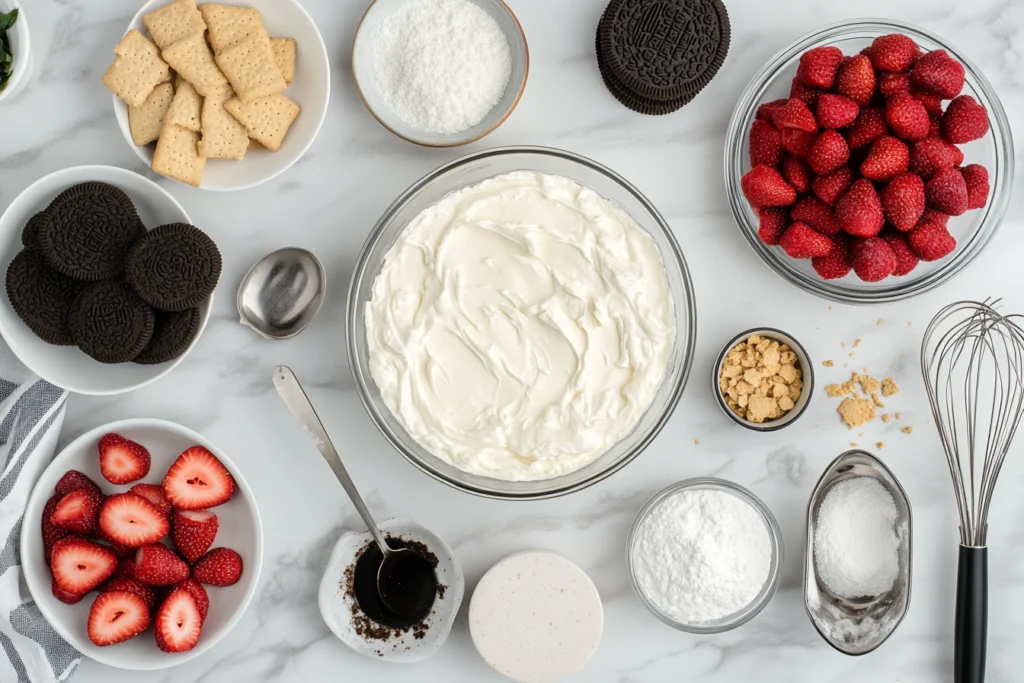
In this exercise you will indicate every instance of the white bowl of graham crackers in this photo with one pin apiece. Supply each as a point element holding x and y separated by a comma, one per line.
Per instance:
<point>222,96</point>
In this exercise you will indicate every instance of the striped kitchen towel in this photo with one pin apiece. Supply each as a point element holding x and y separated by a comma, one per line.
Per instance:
<point>31,415</point>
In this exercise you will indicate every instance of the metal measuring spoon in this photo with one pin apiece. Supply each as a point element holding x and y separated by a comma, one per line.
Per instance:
<point>282,293</point>
<point>406,581</point>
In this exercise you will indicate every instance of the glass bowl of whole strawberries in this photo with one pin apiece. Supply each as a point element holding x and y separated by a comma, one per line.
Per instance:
<point>869,162</point>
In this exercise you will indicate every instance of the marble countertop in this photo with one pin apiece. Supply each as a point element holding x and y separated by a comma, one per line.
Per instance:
<point>329,201</point>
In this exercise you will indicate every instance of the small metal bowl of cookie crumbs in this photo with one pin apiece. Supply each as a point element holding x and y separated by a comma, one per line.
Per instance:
<point>763,379</point>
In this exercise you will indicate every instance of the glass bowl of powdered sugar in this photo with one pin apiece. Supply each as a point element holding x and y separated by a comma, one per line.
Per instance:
<point>705,555</point>
<point>440,73</point>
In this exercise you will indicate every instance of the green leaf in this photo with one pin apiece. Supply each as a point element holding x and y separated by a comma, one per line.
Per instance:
<point>7,19</point>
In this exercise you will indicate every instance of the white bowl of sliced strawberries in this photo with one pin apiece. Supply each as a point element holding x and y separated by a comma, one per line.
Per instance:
<point>142,544</point>
<point>869,161</point>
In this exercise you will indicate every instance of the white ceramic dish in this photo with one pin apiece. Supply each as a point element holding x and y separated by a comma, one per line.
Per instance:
<point>311,89</point>
<point>67,366</point>
<point>21,46</point>
<point>362,70</point>
<point>240,529</point>
<point>536,617</point>
<point>336,607</point>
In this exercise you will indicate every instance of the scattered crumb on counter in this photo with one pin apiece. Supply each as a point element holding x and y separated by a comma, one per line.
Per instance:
<point>846,365</point>
<point>830,308</point>
<point>827,363</point>
<point>878,403</point>
<point>899,415</point>
<point>696,442</point>
<point>909,323</point>
<point>886,417</point>
<point>879,322</point>
<point>856,411</point>
<point>853,444</point>
<point>889,387</point>
<point>843,344</point>
<point>880,445</point>
<point>908,430</point>
<point>856,342</point>
<point>861,434</point>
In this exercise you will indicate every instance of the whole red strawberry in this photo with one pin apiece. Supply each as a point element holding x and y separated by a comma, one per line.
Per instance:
<point>932,103</point>
<point>903,201</point>
<point>931,242</point>
<point>859,211</point>
<point>802,241</point>
<point>890,84</point>
<point>906,259</point>
<point>872,258</point>
<point>817,214</point>
<point>895,52</point>
<point>907,117</point>
<point>796,142</point>
<point>795,114</point>
<point>219,567</point>
<point>73,480</point>
<point>828,153</point>
<point>763,186</point>
<point>947,192</point>
<point>976,178</point>
<point>765,145</point>
<point>931,154</point>
<point>836,111</point>
<point>965,120</point>
<point>830,187</point>
<point>887,158</point>
<point>938,73</point>
<point>856,80</point>
<point>773,223</point>
<point>818,67</point>
<point>836,263</point>
<point>869,126</point>
<point>796,174</point>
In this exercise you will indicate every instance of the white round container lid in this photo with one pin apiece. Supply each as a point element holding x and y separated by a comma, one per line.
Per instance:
<point>536,617</point>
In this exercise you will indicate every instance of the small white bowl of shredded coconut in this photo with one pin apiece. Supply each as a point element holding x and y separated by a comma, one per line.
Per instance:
<point>705,555</point>
<point>440,73</point>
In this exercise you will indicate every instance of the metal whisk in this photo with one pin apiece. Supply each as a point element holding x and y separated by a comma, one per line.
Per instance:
<point>972,359</point>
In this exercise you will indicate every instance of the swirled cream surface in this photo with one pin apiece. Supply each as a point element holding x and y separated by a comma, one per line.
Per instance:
<point>520,327</point>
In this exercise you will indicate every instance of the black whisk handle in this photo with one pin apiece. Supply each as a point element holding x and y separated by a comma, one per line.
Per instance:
<point>971,635</point>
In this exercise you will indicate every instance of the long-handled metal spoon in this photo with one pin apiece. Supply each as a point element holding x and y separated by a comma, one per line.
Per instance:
<point>406,581</point>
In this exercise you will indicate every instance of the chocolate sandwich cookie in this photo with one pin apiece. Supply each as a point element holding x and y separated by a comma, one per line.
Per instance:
<point>174,267</point>
<point>30,233</point>
<point>171,336</point>
<point>633,101</point>
<point>664,50</point>
<point>110,322</point>
<point>88,231</point>
<point>42,297</point>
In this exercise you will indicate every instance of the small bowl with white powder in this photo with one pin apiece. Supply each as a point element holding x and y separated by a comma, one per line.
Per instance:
<point>705,555</point>
<point>440,73</point>
<point>857,566</point>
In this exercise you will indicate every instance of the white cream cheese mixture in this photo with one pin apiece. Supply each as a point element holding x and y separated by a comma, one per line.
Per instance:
<point>520,327</point>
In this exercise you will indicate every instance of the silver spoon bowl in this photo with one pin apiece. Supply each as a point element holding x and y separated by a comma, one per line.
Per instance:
<point>282,293</point>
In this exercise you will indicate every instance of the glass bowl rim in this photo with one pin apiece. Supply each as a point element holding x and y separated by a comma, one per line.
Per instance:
<point>983,234</point>
<point>771,583</point>
<point>361,378</point>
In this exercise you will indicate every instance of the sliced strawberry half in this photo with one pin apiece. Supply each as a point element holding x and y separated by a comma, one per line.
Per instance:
<point>63,595</point>
<point>154,493</point>
<point>158,565</point>
<point>72,481</point>
<point>199,593</point>
<point>193,532</point>
<point>219,567</point>
<point>147,593</point>
<point>117,616</point>
<point>197,479</point>
<point>122,460</point>
<point>132,520</point>
<point>79,565</point>
<point>78,511</point>
<point>51,532</point>
<point>178,622</point>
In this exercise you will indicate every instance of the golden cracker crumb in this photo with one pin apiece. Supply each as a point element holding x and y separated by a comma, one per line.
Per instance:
<point>760,379</point>
<point>879,322</point>
<point>907,430</point>
<point>889,387</point>
<point>856,411</point>
<point>899,415</point>
<point>886,417</point>
<point>696,442</point>
<point>880,444</point>
<point>878,403</point>
<point>843,344</point>
<point>827,363</point>
<point>856,342</point>
<point>853,444</point>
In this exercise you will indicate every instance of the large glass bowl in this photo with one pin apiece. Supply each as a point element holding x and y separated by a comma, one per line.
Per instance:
<point>973,230</point>
<point>470,170</point>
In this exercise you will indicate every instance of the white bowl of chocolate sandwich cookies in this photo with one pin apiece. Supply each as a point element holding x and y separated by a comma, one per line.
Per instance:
<point>108,283</point>
<point>220,96</point>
